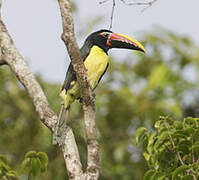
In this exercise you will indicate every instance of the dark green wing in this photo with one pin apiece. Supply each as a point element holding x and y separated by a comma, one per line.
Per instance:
<point>70,76</point>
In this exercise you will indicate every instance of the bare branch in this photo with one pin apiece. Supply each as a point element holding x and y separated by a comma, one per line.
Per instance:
<point>112,11</point>
<point>86,93</point>
<point>104,1</point>
<point>148,4</point>
<point>19,67</point>
<point>0,6</point>
<point>71,154</point>
<point>68,145</point>
<point>112,14</point>
<point>24,75</point>
<point>92,143</point>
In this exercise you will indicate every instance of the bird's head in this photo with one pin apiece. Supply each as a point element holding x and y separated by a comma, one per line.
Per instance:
<point>107,39</point>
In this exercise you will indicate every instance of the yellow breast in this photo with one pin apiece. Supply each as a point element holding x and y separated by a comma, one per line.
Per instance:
<point>96,63</point>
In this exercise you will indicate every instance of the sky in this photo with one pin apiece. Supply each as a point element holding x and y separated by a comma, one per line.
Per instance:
<point>36,27</point>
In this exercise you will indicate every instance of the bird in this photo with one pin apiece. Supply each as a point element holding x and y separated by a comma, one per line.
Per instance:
<point>94,53</point>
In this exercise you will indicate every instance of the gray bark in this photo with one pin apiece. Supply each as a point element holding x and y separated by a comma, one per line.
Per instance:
<point>11,56</point>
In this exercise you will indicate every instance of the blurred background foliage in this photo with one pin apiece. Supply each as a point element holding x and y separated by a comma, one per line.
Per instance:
<point>136,90</point>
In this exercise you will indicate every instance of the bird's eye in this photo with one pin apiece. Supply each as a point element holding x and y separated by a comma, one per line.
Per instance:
<point>104,34</point>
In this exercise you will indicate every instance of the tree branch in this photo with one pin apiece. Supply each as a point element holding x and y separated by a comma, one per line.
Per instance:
<point>86,93</point>
<point>19,67</point>
<point>112,13</point>
<point>13,58</point>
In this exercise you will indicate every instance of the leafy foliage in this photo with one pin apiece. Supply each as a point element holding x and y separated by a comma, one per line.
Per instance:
<point>34,163</point>
<point>138,89</point>
<point>172,150</point>
<point>6,171</point>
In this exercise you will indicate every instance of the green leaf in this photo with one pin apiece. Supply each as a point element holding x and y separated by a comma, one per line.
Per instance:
<point>162,139</point>
<point>187,177</point>
<point>149,174</point>
<point>150,146</point>
<point>178,125</point>
<point>30,154</point>
<point>159,124</point>
<point>179,170</point>
<point>39,165</point>
<point>195,149</point>
<point>43,168</point>
<point>44,160</point>
<point>196,135</point>
<point>157,176</point>
<point>26,165</point>
<point>4,167</point>
<point>43,157</point>
<point>12,174</point>
<point>184,146</point>
<point>4,159</point>
<point>35,167</point>
<point>146,156</point>
<point>161,130</point>
<point>192,121</point>
<point>139,133</point>
<point>145,142</point>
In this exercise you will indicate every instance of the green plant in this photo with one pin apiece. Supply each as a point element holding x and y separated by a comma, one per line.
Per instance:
<point>33,164</point>
<point>172,150</point>
<point>6,171</point>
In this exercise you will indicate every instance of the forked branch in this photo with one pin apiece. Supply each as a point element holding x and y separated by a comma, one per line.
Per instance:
<point>87,96</point>
<point>11,56</point>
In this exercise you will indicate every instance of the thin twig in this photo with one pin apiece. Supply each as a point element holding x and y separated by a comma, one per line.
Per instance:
<point>112,14</point>
<point>112,11</point>
<point>148,4</point>
<point>0,7</point>
<point>136,3</point>
<point>104,1</point>
<point>173,144</point>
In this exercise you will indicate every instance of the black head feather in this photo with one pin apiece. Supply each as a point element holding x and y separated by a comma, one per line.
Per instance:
<point>99,38</point>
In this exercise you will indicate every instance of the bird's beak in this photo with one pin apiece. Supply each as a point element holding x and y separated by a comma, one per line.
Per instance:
<point>116,40</point>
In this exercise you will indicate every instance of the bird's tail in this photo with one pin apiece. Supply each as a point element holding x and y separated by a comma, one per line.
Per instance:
<point>62,120</point>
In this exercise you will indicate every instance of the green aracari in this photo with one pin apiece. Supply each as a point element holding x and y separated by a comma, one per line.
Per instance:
<point>96,60</point>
